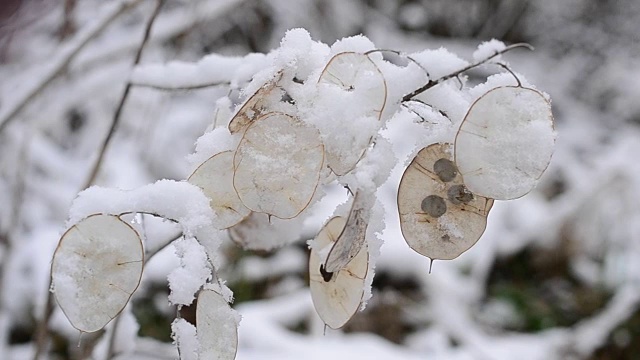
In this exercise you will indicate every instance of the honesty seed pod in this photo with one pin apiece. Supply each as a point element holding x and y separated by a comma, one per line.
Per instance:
<point>95,270</point>
<point>277,165</point>
<point>336,296</point>
<point>215,178</point>
<point>439,217</point>
<point>505,142</point>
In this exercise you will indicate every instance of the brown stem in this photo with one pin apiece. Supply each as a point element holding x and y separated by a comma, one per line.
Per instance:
<point>116,116</point>
<point>68,26</point>
<point>432,83</point>
<point>42,332</point>
<point>179,88</point>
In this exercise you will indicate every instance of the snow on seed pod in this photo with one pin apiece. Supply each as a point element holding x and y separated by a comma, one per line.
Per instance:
<point>505,142</point>
<point>277,165</point>
<point>352,93</point>
<point>95,270</point>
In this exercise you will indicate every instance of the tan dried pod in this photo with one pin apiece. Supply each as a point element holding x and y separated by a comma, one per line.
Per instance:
<point>357,74</point>
<point>215,178</point>
<point>439,217</point>
<point>277,165</point>
<point>95,270</point>
<point>505,142</point>
<point>216,327</point>
<point>256,105</point>
<point>352,239</point>
<point>337,296</point>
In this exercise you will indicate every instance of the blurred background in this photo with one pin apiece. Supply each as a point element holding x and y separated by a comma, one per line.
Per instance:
<point>555,276</point>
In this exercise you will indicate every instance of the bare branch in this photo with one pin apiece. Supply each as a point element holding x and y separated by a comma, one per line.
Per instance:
<point>432,83</point>
<point>68,26</point>
<point>62,60</point>
<point>179,88</point>
<point>123,99</point>
<point>170,24</point>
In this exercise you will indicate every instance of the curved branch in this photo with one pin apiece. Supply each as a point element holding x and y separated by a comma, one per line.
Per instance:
<point>432,83</point>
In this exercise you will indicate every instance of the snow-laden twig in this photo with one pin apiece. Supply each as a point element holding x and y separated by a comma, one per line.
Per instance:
<point>211,70</point>
<point>123,99</point>
<point>61,60</point>
<point>432,83</point>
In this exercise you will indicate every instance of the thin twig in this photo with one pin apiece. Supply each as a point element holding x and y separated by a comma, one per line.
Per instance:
<point>60,64</point>
<point>62,60</point>
<point>147,213</point>
<point>432,83</point>
<point>42,330</point>
<point>123,99</point>
<point>444,114</point>
<point>166,243</point>
<point>111,352</point>
<point>401,54</point>
<point>171,23</point>
<point>68,26</point>
<point>179,88</point>
<point>506,67</point>
<point>8,237</point>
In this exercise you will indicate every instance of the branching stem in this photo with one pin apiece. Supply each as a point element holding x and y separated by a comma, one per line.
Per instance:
<point>432,83</point>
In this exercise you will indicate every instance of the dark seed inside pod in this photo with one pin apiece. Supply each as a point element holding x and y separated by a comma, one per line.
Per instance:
<point>326,276</point>
<point>434,205</point>
<point>445,169</point>
<point>459,194</point>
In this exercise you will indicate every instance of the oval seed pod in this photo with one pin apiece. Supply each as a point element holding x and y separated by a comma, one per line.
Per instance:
<point>277,165</point>
<point>336,296</point>
<point>505,142</point>
<point>95,270</point>
<point>352,238</point>
<point>215,178</point>
<point>439,217</point>
<point>217,327</point>
<point>255,106</point>
<point>358,75</point>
